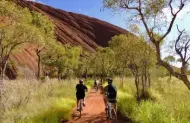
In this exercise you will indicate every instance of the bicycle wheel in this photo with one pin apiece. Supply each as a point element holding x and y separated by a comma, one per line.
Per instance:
<point>96,88</point>
<point>107,112</point>
<point>113,114</point>
<point>80,111</point>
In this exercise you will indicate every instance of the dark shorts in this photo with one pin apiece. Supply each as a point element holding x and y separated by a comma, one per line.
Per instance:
<point>111,100</point>
<point>80,96</point>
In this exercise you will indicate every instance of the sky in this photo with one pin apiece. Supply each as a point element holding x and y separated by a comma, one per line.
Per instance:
<point>92,8</point>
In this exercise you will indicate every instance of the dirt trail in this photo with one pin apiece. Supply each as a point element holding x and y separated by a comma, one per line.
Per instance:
<point>94,112</point>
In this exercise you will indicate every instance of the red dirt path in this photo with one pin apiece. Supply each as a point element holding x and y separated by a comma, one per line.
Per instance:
<point>94,112</point>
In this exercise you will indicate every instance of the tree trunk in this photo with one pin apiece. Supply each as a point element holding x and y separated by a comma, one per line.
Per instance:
<point>3,67</point>
<point>122,78</point>
<point>59,75</point>
<point>181,76</point>
<point>149,80</point>
<point>39,70</point>
<point>1,70</point>
<point>102,79</point>
<point>146,83</point>
<point>143,85</point>
<point>137,87</point>
<point>86,73</point>
<point>170,75</point>
<point>122,82</point>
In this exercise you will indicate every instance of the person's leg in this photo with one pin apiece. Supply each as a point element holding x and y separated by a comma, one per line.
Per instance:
<point>78,98</point>
<point>115,104</point>
<point>105,102</point>
<point>84,104</point>
<point>77,102</point>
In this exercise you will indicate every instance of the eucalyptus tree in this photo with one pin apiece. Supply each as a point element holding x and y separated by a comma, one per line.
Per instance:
<point>16,31</point>
<point>119,46</point>
<point>135,54</point>
<point>63,59</point>
<point>170,59</point>
<point>46,28</point>
<point>102,63</point>
<point>151,14</point>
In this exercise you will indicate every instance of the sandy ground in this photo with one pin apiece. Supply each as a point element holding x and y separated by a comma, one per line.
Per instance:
<point>94,111</point>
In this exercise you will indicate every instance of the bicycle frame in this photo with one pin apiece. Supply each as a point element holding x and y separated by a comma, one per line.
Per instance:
<point>96,87</point>
<point>80,106</point>
<point>110,110</point>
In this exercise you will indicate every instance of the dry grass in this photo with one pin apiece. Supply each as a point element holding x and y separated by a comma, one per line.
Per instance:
<point>33,101</point>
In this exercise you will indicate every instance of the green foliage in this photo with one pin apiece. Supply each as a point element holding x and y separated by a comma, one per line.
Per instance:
<point>89,83</point>
<point>102,62</point>
<point>21,27</point>
<point>63,59</point>
<point>128,47</point>
<point>43,23</point>
<point>46,28</point>
<point>18,23</point>
<point>150,13</point>
<point>157,72</point>
<point>133,54</point>
<point>170,103</point>
<point>169,59</point>
<point>13,13</point>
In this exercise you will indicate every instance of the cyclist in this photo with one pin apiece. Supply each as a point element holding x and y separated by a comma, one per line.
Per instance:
<point>110,93</point>
<point>95,83</point>
<point>80,92</point>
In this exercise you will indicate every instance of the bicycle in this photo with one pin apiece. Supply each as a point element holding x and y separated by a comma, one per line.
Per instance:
<point>96,87</point>
<point>81,102</point>
<point>111,112</point>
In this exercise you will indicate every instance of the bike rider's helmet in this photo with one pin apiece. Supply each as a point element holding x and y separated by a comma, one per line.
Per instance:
<point>110,80</point>
<point>81,81</point>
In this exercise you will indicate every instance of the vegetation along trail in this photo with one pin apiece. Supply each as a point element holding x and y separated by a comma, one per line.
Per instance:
<point>94,112</point>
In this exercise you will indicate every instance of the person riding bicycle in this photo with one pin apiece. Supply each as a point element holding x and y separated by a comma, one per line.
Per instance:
<point>80,92</point>
<point>110,93</point>
<point>95,83</point>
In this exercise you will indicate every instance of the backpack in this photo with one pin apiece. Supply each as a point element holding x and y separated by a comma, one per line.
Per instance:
<point>112,93</point>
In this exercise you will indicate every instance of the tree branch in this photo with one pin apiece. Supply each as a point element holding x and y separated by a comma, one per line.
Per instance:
<point>173,18</point>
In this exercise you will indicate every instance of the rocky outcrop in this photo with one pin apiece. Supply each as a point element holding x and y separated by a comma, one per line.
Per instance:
<point>72,28</point>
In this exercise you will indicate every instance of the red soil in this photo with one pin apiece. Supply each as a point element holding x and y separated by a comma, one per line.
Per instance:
<point>94,112</point>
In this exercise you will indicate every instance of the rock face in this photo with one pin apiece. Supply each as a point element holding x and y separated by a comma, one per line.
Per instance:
<point>72,28</point>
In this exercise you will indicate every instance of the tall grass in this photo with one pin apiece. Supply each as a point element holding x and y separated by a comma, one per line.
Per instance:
<point>30,101</point>
<point>171,102</point>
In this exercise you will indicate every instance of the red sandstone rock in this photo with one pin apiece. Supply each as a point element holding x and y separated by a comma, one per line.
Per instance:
<point>72,28</point>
